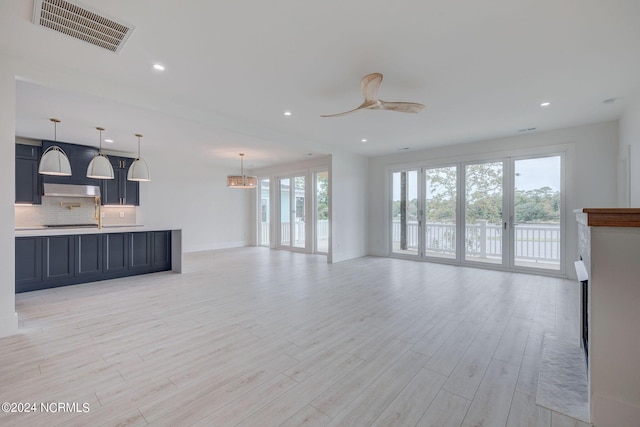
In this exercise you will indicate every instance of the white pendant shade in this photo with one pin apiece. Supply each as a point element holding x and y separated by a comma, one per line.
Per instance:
<point>139,171</point>
<point>100,168</point>
<point>54,161</point>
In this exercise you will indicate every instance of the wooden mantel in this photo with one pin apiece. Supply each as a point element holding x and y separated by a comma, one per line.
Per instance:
<point>613,217</point>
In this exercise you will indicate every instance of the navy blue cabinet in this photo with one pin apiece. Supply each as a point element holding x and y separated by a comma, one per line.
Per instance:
<point>140,250</point>
<point>28,263</point>
<point>28,183</point>
<point>31,152</point>
<point>50,261</point>
<point>116,253</point>
<point>111,191</point>
<point>57,258</point>
<point>79,157</point>
<point>120,191</point>
<point>161,250</point>
<point>88,255</point>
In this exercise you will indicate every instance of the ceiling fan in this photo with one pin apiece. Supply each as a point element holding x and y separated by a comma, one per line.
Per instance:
<point>369,86</point>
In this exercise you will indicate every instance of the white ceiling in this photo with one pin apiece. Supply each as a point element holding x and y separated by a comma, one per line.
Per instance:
<point>482,67</point>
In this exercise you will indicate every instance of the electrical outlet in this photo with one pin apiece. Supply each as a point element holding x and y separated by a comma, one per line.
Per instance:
<point>121,214</point>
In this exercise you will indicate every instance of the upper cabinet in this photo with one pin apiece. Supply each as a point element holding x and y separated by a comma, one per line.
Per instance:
<point>120,191</point>
<point>79,156</point>
<point>27,178</point>
<point>117,191</point>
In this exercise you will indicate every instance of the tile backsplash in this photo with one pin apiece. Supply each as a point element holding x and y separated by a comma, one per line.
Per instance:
<point>83,211</point>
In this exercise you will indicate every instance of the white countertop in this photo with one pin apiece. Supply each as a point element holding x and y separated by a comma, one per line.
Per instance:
<point>42,231</point>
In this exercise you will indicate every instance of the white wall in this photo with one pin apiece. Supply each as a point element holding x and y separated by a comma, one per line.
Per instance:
<point>8,316</point>
<point>630,137</point>
<point>194,196</point>
<point>349,204</point>
<point>590,174</point>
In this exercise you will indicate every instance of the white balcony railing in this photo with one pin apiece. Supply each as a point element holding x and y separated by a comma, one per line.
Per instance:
<point>537,242</point>
<point>322,230</point>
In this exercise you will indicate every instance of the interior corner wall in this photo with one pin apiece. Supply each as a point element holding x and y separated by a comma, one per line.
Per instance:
<point>590,174</point>
<point>630,137</point>
<point>349,206</point>
<point>8,316</point>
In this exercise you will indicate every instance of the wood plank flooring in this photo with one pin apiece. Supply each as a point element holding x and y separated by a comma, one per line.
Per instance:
<point>258,337</point>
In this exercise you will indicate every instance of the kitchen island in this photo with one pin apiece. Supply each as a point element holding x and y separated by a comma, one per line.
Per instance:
<point>47,258</point>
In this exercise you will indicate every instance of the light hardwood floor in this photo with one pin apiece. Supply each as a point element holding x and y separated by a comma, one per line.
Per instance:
<point>257,337</point>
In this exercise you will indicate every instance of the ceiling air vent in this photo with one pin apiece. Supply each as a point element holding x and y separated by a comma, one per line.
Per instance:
<point>82,23</point>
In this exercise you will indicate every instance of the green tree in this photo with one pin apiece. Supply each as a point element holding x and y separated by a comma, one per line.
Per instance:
<point>483,197</point>
<point>323,196</point>
<point>484,193</point>
<point>541,205</point>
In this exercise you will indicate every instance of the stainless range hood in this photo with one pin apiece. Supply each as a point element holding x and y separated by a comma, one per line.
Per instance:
<point>69,190</point>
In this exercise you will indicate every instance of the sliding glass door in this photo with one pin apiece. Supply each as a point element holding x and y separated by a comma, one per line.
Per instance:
<point>440,212</point>
<point>504,213</point>
<point>483,207</point>
<point>292,212</point>
<point>405,229</point>
<point>537,213</point>
<point>285,212</point>
<point>321,229</point>
<point>264,212</point>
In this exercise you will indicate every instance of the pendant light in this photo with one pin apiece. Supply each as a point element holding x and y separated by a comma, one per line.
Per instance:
<point>100,166</point>
<point>54,160</point>
<point>139,171</point>
<point>242,180</point>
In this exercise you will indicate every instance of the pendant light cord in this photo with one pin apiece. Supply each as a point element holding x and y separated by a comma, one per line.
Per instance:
<point>100,142</point>
<point>55,129</point>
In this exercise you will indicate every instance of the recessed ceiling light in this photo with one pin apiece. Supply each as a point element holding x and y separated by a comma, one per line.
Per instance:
<point>405,148</point>
<point>545,104</point>
<point>609,101</point>
<point>110,141</point>
<point>364,140</point>
<point>287,113</point>
<point>158,67</point>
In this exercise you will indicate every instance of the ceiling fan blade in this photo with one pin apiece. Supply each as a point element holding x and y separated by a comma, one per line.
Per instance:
<point>402,107</point>
<point>369,86</point>
<point>365,105</point>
